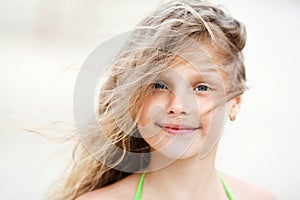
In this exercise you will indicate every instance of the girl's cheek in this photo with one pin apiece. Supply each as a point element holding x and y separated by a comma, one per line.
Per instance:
<point>202,107</point>
<point>152,109</point>
<point>144,119</point>
<point>205,122</point>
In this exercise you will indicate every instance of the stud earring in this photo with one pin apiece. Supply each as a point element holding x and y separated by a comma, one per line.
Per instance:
<point>231,117</point>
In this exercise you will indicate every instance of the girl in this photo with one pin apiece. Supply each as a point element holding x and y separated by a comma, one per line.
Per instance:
<point>161,111</point>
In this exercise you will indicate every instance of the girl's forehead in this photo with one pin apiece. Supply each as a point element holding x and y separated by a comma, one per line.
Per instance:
<point>194,67</point>
<point>189,61</point>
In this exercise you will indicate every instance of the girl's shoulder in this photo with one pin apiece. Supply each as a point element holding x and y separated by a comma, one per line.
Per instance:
<point>123,189</point>
<point>126,189</point>
<point>245,191</point>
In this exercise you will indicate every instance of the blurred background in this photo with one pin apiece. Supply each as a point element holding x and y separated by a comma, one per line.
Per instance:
<point>43,44</point>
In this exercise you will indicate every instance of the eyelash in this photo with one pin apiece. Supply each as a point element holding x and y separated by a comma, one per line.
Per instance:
<point>163,86</point>
<point>206,87</point>
<point>159,85</point>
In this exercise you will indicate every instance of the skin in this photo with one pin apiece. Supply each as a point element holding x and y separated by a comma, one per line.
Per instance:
<point>187,176</point>
<point>187,106</point>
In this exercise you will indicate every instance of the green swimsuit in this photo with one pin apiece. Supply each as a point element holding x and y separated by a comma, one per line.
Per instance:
<point>140,187</point>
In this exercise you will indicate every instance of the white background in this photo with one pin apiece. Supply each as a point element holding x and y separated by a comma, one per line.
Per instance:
<point>44,43</point>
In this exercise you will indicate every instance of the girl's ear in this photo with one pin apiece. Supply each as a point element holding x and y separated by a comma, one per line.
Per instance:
<point>235,105</point>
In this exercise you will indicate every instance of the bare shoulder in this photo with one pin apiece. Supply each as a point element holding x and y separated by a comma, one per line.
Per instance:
<point>245,191</point>
<point>123,189</point>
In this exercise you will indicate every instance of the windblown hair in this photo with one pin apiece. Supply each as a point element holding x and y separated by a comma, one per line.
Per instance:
<point>115,149</point>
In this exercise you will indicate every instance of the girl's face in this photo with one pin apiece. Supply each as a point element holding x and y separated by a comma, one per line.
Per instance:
<point>185,112</point>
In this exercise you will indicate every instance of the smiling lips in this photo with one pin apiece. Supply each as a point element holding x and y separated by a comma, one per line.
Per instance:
<point>177,129</point>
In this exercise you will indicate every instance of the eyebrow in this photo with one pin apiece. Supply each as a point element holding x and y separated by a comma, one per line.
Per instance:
<point>211,76</point>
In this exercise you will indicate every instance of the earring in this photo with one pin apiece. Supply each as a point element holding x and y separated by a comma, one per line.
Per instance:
<point>231,117</point>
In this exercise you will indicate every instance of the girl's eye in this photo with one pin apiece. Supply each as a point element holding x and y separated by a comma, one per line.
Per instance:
<point>160,85</point>
<point>202,88</point>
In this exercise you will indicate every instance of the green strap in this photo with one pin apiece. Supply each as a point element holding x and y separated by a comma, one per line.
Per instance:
<point>226,188</point>
<point>140,187</point>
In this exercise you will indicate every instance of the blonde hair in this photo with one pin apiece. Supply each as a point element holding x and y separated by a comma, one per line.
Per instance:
<point>116,141</point>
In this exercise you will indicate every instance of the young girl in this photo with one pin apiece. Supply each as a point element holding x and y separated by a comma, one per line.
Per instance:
<point>162,109</point>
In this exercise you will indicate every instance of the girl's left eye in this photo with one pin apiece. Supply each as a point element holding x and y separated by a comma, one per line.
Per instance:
<point>160,85</point>
<point>202,88</point>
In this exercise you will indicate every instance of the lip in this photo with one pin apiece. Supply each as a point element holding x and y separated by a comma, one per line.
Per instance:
<point>177,129</point>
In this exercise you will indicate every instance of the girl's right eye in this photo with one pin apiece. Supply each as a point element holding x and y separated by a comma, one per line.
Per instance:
<point>160,85</point>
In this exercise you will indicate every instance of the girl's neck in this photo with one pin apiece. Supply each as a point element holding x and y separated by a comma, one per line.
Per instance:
<point>193,165</point>
<point>192,177</point>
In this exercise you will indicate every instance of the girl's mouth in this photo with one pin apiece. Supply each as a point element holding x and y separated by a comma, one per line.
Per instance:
<point>178,129</point>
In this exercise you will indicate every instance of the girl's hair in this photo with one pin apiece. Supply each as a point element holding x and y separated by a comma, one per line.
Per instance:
<point>119,150</point>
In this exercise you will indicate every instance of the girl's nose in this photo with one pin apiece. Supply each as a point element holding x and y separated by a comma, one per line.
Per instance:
<point>178,105</point>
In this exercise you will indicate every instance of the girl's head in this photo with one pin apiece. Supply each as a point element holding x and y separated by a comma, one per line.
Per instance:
<point>182,68</point>
<point>168,91</point>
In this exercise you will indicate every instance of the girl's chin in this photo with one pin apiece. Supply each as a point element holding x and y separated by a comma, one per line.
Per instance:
<point>175,152</point>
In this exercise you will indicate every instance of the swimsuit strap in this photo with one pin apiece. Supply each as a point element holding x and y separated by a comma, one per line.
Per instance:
<point>140,187</point>
<point>226,188</point>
